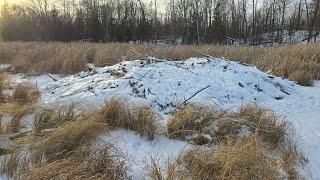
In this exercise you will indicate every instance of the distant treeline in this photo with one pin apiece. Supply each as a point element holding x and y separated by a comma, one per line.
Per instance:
<point>183,21</point>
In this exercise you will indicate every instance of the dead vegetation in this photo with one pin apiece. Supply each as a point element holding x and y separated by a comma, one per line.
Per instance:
<point>189,121</point>
<point>25,93</point>
<point>4,81</point>
<point>102,163</point>
<point>205,125</point>
<point>250,143</point>
<point>117,114</point>
<point>302,77</point>
<point>48,118</point>
<point>67,58</point>
<point>241,159</point>
<point>66,139</point>
<point>62,143</point>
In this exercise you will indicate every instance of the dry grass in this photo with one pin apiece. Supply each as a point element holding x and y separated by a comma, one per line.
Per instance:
<point>304,78</point>
<point>65,152</point>
<point>192,123</point>
<point>67,58</point>
<point>4,81</point>
<point>13,163</point>
<point>244,159</point>
<point>84,164</point>
<point>17,111</point>
<point>66,139</point>
<point>117,114</point>
<point>53,118</point>
<point>264,123</point>
<point>248,158</point>
<point>190,120</point>
<point>263,152</point>
<point>25,93</point>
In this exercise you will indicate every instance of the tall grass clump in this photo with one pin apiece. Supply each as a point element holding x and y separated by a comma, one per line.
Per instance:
<point>248,143</point>
<point>194,122</point>
<point>243,159</point>
<point>248,158</point>
<point>117,114</point>
<point>49,118</point>
<point>66,139</point>
<point>4,80</point>
<point>25,93</point>
<point>86,163</point>
<point>190,120</point>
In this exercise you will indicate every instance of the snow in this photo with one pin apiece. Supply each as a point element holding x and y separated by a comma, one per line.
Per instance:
<point>140,151</point>
<point>290,38</point>
<point>164,85</point>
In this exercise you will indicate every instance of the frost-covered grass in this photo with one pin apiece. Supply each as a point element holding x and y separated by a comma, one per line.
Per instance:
<point>68,58</point>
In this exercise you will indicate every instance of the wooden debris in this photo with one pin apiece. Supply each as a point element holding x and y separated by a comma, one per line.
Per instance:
<point>52,77</point>
<point>203,54</point>
<point>185,101</point>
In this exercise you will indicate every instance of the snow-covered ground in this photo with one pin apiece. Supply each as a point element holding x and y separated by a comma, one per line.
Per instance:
<point>164,85</point>
<point>290,38</point>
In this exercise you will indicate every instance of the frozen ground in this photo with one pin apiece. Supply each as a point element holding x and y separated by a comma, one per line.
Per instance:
<point>165,85</point>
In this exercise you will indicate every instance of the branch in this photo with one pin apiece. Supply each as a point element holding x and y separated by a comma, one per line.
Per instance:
<point>184,102</point>
<point>52,77</point>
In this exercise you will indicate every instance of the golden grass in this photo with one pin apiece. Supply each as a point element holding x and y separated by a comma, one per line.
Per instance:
<point>248,158</point>
<point>25,93</point>
<point>190,120</point>
<point>66,139</point>
<point>84,164</point>
<point>4,81</point>
<point>193,121</point>
<point>47,118</point>
<point>302,77</point>
<point>264,123</point>
<point>68,58</point>
<point>17,111</point>
<point>243,159</point>
<point>117,114</point>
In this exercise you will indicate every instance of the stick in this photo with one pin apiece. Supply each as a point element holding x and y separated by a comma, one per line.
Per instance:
<point>206,55</point>
<point>187,70</point>
<point>145,74</point>
<point>184,102</point>
<point>52,77</point>
<point>137,53</point>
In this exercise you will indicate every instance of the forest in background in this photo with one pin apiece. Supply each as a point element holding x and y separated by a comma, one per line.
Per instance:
<point>180,22</point>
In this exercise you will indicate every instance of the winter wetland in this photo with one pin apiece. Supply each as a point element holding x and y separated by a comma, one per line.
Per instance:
<point>159,89</point>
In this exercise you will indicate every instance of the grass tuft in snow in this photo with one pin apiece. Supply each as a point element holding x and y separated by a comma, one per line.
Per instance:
<point>251,143</point>
<point>25,93</point>
<point>243,159</point>
<point>190,120</point>
<point>86,163</point>
<point>248,158</point>
<point>205,125</point>
<point>66,139</point>
<point>4,80</point>
<point>117,114</point>
<point>53,118</point>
